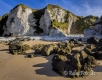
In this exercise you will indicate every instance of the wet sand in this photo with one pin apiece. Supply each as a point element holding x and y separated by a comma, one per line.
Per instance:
<point>19,67</point>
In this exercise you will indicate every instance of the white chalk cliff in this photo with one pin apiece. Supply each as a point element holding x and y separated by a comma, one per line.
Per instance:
<point>51,20</point>
<point>20,22</point>
<point>53,12</point>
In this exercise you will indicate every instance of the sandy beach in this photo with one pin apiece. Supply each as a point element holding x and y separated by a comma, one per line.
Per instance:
<point>20,67</point>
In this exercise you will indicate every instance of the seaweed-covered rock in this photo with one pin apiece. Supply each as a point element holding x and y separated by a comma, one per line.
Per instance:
<point>71,44</point>
<point>83,55</point>
<point>94,50</point>
<point>25,47</point>
<point>74,65</point>
<point>65,47</point>
<point>47,50</point>
<point>60,57</point>
<point>15,47</point>
<point>38,48</point>
<point>75,51</point>
<point>14,41</point>
<point>76,61</point>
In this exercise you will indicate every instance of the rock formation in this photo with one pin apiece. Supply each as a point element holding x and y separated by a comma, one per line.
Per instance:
<point>94,30</point>
<point>51,20</point>
<point>20,22</point>
<point>56,18</point>
<point>3,20</point>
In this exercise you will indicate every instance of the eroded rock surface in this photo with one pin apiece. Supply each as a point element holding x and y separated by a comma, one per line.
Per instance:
<point>20,22</point>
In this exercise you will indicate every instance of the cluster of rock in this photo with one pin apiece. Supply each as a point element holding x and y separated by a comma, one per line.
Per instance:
<point>73,64</point>
<point>94,48</point>
<point>67,60</point>
<point>70,63</point>
<point>16,47</point>
<point>44,50</point>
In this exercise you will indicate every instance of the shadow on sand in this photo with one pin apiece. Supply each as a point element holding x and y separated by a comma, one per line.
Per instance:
<point>46,68</point>
<point>98,69</point>
<point>4,50</point>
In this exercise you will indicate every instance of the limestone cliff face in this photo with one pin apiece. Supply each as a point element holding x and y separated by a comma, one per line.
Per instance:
<point>94,30</point>
<point>51,20</point>
<point>45,22</point>
<point>20,22</point>
<point>56,18</point>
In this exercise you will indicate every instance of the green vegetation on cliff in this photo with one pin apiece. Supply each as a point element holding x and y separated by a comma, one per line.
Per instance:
<point>61,25</point>
<point>84,22</point>
<point>22,5</point>
<point>50,6</point>
<point>0,18</point>
<point>54,22</point>
<point>3,21</point>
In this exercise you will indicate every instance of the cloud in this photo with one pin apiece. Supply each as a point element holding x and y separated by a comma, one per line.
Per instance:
<point>5,4</point>
<point>72,7</point>
<point>4,8</point>
<point>84,7</point>
<point>93,10</point>
<point>66,2</point>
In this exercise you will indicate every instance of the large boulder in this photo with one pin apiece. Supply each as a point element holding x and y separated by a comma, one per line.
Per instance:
<point>94,50</point>
<point>16,47</point>
<point>59,57</point>
<point>73,65</point>
<point>47,50</point>
<point>38,48</point>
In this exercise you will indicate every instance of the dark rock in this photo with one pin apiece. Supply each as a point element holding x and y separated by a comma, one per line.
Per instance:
<point>71,66</point>
<point>100,41</point>
<point>60,57</point>
<point>73,40</point>
<point>38,48</point>
<point>15,47</point>
<point>47,50</point>
<point>31,55</point>
<point>80,39</point>
<point>92,40</point>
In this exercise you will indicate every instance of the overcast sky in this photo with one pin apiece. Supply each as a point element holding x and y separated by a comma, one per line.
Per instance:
<point>78,7</point>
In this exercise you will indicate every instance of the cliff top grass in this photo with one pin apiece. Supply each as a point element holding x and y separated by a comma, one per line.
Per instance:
<point>85,22</point>
<point>50,6</point>
<point>22,5</point>
<point>0,18</point>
